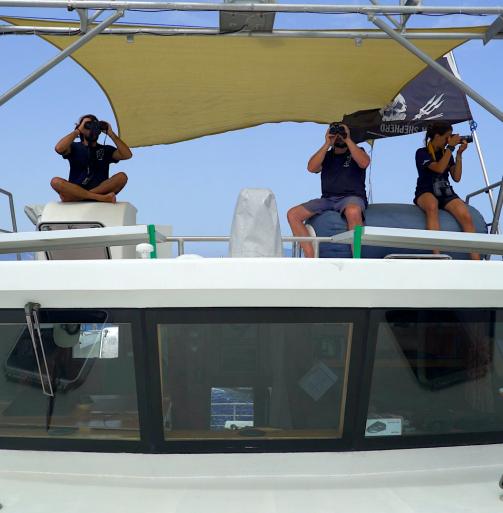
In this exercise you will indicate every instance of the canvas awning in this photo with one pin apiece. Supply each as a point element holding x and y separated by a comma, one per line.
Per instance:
<point>169,89</point>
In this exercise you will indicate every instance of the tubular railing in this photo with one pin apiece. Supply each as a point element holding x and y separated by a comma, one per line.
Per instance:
<point>499,203</point>
<point>296,249</point>
<point>12,216</point>
<point>146,238</point>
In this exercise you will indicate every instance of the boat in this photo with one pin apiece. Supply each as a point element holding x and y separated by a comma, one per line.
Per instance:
<point>177,382</point>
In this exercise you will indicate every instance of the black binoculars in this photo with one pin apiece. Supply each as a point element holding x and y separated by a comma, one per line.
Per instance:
<point>337,129</point>
<point>96,125</point>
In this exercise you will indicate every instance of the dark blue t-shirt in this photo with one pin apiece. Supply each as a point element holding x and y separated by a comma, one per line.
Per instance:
<point>426,177</point>
<point>342,176</point>
<point>89,164</point>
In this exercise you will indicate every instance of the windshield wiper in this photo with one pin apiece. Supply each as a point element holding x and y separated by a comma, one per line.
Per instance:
<point>31,311</point>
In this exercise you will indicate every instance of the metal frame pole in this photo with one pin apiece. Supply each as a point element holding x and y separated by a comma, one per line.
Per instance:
<point>484,169</point>
<point>473,127</point>
<point>70,31</point>
<point>390,18</point>
<point>428,60</point>
<point>253,7</point>
<point>497,212</point>
<point>61,56</point>
<point>12,214</point>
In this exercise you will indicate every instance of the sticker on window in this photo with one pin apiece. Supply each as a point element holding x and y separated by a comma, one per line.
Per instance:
<point>383,427</point>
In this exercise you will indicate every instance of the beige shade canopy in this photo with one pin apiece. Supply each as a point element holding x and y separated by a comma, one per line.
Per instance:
<point>166,89</point>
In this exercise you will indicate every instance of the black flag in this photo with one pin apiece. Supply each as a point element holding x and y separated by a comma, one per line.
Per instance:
<point>427,98</point>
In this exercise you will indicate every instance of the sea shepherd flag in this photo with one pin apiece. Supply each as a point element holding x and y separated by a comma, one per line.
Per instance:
<point>427,98</point>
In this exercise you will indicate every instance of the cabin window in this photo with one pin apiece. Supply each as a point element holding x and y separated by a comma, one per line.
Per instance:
<point>254,380</point>
<point>436,372</point>
<point>86,390</point>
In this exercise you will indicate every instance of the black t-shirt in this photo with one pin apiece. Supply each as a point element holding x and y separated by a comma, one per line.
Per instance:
<point>342,176</point>
<point>89,164</point>
<point>426,177</point>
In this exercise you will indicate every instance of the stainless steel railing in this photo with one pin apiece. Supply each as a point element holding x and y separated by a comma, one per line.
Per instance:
<point>295,241</point>
<point>499,203</point>
<point>12,216</point>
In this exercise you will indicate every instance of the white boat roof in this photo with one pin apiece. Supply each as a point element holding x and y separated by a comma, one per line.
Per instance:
<point>252,282</point>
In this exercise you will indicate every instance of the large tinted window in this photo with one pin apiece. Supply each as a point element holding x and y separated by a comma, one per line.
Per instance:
<point>89,380</point>
<point>436,372</point>
<point>254,380</point>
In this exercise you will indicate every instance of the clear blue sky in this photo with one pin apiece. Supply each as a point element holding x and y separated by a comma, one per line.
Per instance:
<point>194,185</point>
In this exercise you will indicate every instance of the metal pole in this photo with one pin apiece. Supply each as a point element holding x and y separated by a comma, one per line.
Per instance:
<point>473,127</point>
<point>61,56</point>
<point>428,60</point>
<point>484,169</point>
<point>84,20</point>
<point>171,31</point>
<point>252,7</point>
<point>13,219</point>
<point>95,16</point>
<point>390,18</point>
<point>12,216</point>
<point>497,213</point>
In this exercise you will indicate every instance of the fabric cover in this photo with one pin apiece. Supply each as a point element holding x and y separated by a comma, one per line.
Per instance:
<point>170,89</point>
<point>389,215</point>
<point>255,228</point>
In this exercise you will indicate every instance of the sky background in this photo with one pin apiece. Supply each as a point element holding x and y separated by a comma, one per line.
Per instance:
<point>194,185</point>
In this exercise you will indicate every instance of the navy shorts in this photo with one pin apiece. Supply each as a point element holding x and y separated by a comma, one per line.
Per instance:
<point>337,203</point>
<point>442,200</point>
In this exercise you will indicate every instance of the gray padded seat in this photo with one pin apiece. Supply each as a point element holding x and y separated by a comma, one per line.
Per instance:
<point>389,215</point>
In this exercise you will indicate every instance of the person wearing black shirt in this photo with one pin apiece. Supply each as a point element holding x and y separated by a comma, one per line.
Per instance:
<point>89,162</point>
<point>435,163</point>
<point>342,165</point>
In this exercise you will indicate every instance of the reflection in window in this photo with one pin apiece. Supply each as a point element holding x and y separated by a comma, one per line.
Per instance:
<point>254,380</point>
<point>92,376</point>
<point>231,408</point>
<point>437,372</point>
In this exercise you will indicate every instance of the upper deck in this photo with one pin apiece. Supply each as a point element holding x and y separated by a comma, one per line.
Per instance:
<point>252,282</point>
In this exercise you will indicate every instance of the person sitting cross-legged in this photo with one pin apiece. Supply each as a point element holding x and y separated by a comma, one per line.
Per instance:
<point>89,163</point>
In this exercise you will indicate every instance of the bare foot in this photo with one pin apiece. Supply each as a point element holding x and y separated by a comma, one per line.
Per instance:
<point>107,198</point>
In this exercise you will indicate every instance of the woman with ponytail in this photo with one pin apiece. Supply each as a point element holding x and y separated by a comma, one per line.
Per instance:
<point>435,162</point>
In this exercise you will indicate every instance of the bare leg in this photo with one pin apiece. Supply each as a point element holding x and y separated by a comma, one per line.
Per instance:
<point>296,217</point>
<point>113,184</point>
<point>462,215</point>
<point>354,217</point>
<point>429,204</point>
<point>71,192</point>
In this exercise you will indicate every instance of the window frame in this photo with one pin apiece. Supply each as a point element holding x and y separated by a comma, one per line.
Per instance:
<point>260,315</point>
<point>148,385</point>
<point>364,443</point>
<point>126,316</point>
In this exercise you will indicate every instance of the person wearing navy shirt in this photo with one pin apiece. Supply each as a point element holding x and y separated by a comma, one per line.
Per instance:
<point>342,165</point>
<point>89,163</point>
<point>435,165</point>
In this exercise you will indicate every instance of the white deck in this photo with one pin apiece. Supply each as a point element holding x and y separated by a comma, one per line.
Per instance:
<point>440,480</point>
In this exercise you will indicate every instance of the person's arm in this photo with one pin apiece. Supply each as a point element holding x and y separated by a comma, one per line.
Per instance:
<point>457,169</point>
<point>64,145</point>
<point>358,154</point>
<point>315,162</point>
<point>441,165</point>
<point>122,152</point>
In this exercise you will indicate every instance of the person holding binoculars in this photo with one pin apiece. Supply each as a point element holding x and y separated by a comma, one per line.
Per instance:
<point>89,163</point>
<point>342,165</point>
<point>435,163</point>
